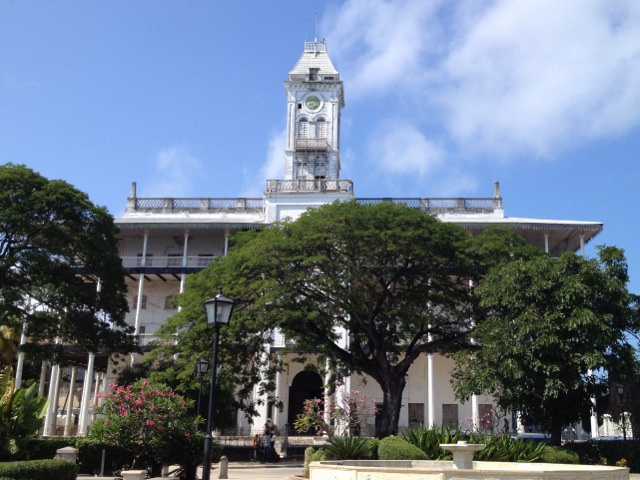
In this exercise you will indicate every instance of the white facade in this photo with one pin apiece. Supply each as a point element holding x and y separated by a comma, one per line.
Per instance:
<point>163,240</point>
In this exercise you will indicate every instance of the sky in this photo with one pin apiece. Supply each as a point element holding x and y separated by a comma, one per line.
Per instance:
<point>443,98</point>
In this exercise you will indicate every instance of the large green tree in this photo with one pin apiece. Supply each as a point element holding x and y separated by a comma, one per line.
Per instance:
<point>55,245</point>
<point>554,329</point>
<point>395,279</point>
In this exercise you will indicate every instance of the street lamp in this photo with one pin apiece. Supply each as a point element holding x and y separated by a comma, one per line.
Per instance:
<point>202,365</point>
<point>622,415</point>
<point>218,310</point>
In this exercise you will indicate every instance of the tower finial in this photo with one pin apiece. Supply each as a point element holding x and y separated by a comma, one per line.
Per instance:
<point>315,33</point>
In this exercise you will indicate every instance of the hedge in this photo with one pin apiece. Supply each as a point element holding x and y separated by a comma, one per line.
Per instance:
<point>397,448</point>
<point>37,469</point>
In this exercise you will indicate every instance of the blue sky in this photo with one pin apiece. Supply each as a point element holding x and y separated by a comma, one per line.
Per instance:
<point>443,97</point>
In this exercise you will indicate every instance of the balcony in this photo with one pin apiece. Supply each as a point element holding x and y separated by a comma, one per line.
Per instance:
<point>317,185</point>
<point>195,205</point>
<point>311,144</point>
<point>443,205</point>
<point>165,265</point>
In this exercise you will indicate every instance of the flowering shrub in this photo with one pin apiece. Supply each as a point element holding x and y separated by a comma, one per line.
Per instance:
<point>143,418</point>
<point>327,416</point>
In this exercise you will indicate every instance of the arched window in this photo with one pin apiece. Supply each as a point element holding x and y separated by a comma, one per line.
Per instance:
<point>303,128</point>
<point>321,128</point>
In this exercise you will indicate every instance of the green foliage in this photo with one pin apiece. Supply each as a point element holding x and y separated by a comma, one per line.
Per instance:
<point>312,455</point>
<point>395,277</point>
<point>429,440</point>
<point>28,470</point>
<point>50,231</point>
<point>549,322</point>
<point>608,452</point>
<point>148,420</point>
<point>507,449</point>
<point>553,454</point>
<point>397,448</point>
<point>347,448</point>
<point>21,415</point>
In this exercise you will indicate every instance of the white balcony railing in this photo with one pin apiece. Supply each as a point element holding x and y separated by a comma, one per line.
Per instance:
<point>167,262</point>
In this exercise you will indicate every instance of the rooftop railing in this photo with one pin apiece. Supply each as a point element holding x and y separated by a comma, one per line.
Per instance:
<point>443,205</point>
<point>194,205</point>
<point>317,185</point>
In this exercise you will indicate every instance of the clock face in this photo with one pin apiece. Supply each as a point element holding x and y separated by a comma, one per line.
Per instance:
<point>312,102</point>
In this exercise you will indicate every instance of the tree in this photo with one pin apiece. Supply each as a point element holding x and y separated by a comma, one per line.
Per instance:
<point>395,278</point>
<point>55,245</point>
<point>550,323</point>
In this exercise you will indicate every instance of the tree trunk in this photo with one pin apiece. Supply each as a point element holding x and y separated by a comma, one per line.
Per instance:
<point>392,387</point>
<point>556,430</point>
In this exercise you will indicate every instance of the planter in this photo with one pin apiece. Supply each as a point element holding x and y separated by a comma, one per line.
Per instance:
<point>133,474</point>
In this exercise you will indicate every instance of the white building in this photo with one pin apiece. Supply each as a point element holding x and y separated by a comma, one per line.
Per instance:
<point>165,239</point>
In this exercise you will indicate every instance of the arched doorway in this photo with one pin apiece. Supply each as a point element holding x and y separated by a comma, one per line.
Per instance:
<point>305,385</point>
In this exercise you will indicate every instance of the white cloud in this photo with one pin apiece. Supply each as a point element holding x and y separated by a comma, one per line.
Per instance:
<point>503,77</point>
<point>271,169</point>
<point>537,75</point>
<point>401,149</point>
<point>175,171</point>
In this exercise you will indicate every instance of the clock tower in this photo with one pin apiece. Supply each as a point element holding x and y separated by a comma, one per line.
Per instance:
<point>314,100</point>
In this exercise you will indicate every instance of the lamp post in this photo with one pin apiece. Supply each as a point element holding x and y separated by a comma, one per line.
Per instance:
<point>202,365</point>
<point>622,414</point>
<point>218,310</point>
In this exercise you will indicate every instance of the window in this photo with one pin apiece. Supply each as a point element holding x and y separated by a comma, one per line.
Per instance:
<point>168,303</point>
<point>485,414</point>
<point>321,128</point>
<point>313,74</point>
<point>143,303</point>
<point>416,415</point>
<point>303,128</point>
<point>142,330</point>
<point>450,415</point>
<point>148,262</point>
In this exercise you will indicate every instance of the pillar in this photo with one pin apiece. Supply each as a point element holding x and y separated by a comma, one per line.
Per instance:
<point>43,378</point>
<point>52,407</point>
<point>430,392</point>
<point>68,424</point>
<point>183,276</point>
<point>86,396</point>
<point>143,263</point>
<point>20,364</point>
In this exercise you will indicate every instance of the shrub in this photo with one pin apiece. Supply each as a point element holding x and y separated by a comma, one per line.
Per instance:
<point>312,455</point>
<point>429,440</point>
<point>347,448</point>
<point>397,448</point>
<point>28,470</point>
<point>552,454</point>
<point>507,449</point>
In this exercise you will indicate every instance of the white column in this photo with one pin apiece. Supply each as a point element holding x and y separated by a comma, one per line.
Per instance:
<point>183,276</point>
<point>276,408</point>
<point>20,365</point>
<point>52,407</point>
<point>226,242</point>
<point>143,263</point>
<point>68,424</point>
<point>43,378</point>
<point>430,390</point>
<point>475,412</point>
<point>594,417</point>
<point>582,244</point>
<point>96,389</point>
<point>86,396</point>
<point>546,243</point>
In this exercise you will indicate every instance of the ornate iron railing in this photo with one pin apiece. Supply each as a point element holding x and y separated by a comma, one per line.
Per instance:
<point>443,205</point>
<point>159,205</point>
<point>318,185</point>
<point>167,262</point>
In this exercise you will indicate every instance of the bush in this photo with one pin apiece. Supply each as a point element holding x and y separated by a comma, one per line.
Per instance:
<point>347,448</point>
<point>507,449</point>
<point>551,454</point>
<point>312,455</point>
<point>28,470</point>
<point>397,448</point>
<point>429,440</point>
